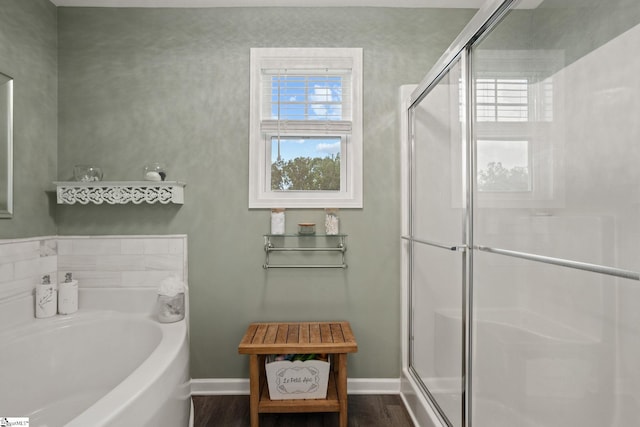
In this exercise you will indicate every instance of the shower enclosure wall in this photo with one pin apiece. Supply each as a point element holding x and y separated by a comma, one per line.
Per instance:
<point>521,217</point>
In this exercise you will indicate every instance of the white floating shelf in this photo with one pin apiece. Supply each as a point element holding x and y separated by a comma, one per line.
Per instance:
<point>119,192</point>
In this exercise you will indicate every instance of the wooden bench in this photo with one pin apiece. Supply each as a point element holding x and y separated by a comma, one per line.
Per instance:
<point>261,339</point>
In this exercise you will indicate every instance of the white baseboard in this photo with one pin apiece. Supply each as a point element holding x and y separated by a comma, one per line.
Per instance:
<point>236,386</point>
<point>213,386</point>
<point>373,385</point>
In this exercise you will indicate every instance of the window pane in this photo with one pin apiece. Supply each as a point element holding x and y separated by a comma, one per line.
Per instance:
<point>302,97</point>
<point>303,164</point>
<point>503,166</point>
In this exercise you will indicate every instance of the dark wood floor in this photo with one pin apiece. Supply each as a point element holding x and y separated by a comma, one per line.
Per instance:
<point>364,411</point>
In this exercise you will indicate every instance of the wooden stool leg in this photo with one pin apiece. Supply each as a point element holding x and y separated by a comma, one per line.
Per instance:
<point>254,388</point>
<point>341,385</point>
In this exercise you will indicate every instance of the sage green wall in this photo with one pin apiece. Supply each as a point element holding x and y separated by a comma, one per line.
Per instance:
<point>173,84</point>
<point>28,53</point>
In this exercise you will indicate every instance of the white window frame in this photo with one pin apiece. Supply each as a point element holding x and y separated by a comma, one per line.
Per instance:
<point>260,193</point>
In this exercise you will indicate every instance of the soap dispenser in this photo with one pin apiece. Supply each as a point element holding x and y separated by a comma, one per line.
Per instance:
<point>46,298</point>
<point>68,295</point>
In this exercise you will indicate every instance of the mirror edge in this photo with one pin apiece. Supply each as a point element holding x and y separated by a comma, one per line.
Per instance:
<point>8,212</point>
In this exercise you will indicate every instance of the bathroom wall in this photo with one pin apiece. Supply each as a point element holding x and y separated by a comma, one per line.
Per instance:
<point>28,53</point>
<point>97,262</point>
<point>173,85</point>
<point>23,262</point>
<point>122,261</point>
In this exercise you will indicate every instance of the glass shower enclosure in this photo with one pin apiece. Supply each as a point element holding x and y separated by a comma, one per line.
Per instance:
<point>522,213</point>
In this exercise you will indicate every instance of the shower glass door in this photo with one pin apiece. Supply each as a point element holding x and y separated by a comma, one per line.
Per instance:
<point>550,281</point>
<point>437,236</point>
<point>556,217</point>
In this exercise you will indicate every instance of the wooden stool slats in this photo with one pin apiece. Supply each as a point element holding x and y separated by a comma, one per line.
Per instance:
<point>314,333</point>
<point>336,333</point>
<point>294,333</point>
<point>286,338</point>
<point>348,335</point>
<point>270,333</point>
<point>305,334</point>
<point>248,336</point>
<point>334,338</point>
<point>281,336</point>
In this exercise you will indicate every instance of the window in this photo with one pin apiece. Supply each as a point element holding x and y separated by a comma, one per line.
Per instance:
<point>305,134</point>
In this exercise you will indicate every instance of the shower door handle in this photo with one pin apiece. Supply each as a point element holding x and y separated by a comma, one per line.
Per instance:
<point>454,248</point>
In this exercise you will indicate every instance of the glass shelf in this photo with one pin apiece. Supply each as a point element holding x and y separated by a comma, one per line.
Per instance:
<point>339,248</point>
<point>305,235</point>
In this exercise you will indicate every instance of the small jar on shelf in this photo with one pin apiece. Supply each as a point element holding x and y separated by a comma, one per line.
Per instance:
<point>331,222</point>
<point>277,221</point>
<point>87,173</point>
<point>155,172</point>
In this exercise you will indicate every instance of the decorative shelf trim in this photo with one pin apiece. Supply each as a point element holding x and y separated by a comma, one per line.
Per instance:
<point>120,192</point>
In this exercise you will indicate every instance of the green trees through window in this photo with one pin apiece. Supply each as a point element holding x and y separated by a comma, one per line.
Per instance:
<point>306,173</point>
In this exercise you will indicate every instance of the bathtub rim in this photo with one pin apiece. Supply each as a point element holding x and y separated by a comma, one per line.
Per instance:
<point>35,326</point>
<point>174,338</point>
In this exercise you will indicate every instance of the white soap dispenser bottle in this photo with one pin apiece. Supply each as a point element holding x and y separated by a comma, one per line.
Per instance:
<point>68,295</point>
<point>46,298</point>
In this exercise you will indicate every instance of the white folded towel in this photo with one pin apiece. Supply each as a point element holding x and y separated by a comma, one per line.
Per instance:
<point>171,286</point>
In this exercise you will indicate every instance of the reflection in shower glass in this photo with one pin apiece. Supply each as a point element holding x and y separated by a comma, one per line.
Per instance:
<point>502,100</point>
<point>557,183</point>
<point>503,166</point>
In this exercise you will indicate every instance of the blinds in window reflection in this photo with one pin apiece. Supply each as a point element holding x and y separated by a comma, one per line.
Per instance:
<point>502,100</point>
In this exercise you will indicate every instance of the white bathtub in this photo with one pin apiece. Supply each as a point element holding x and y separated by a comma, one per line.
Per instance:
<point>96,368</point>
